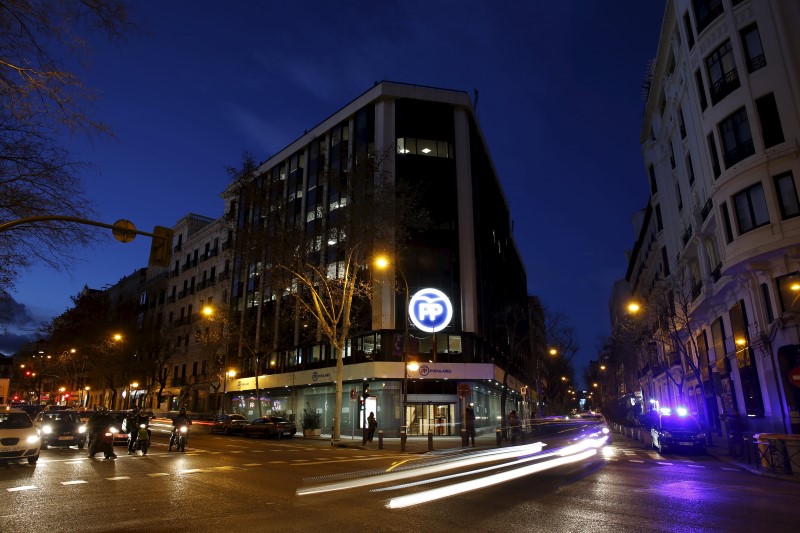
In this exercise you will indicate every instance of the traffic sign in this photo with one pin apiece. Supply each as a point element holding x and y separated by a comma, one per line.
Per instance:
<point>353,394</point>
<point>794,376</point>
<point>463,390</point>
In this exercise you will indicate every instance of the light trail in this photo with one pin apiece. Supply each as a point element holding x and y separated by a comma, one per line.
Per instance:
<point>467,486</point>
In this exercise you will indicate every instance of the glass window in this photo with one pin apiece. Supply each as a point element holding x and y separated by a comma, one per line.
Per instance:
<point>701,90</point>
<point>787,195</point>
<point>751,208</point>
<point>426,147</point>
<point>705,11</point>
<point>687,23</point>
<point>753,51</point>
<point>770,119</point>
<point>722,74</point>
<point>712,148</point>
<point>789,292</point>
<point>737,140</point>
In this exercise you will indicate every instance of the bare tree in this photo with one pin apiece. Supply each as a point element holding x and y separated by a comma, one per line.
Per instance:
<point>38,98</point>
<point>669,329</point>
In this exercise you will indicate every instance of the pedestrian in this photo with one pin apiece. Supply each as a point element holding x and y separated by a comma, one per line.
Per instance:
<point>470,424</point>
<point>372,424</point>
<point>516,429</point>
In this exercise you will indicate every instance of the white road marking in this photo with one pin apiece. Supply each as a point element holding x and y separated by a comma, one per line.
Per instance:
<point>252,464</point>
<point>158,474</point>
<point>76,482</point>
<point>118,478</point>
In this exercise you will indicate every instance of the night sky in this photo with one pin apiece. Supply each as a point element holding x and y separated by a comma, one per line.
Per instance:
<point>559,102</point>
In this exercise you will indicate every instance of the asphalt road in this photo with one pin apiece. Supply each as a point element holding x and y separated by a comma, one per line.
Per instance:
<point>235,484</point>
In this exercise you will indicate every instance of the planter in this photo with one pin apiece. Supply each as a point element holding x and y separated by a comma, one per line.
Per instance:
<point>312,433</point>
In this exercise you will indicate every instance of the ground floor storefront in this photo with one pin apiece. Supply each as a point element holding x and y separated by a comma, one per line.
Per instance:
<point>433,404</point>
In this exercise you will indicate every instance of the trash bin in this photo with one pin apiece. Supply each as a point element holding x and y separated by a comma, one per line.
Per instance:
<point>762,451</point>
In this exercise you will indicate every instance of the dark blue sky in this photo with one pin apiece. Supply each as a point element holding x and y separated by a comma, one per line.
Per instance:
<point>559,103</point>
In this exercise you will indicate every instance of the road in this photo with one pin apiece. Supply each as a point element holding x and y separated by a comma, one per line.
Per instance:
<point>238,484</point>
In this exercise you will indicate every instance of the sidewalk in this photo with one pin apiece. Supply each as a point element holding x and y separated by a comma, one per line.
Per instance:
<point>414,444</point>
<point>719,450</point>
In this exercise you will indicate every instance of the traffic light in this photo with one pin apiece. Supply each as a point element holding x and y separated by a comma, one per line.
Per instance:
<point>365,394</point>
<point>160,247</point>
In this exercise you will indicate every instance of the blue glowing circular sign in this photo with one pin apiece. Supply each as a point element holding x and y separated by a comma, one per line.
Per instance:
<point>430,310</point>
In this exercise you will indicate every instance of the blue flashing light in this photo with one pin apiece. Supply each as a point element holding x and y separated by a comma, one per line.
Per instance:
<point>682,411</point>
<point>665,411</point>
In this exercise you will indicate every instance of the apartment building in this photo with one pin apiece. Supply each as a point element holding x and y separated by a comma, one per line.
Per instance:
<point>720,140</point>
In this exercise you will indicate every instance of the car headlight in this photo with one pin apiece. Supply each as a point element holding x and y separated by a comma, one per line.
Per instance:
<point>32,439</point>
<point>112,430</point>
<point>47,429</point>
<point>81,429</point>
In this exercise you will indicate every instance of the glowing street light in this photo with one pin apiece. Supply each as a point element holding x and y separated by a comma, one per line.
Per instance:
<point>634,307</point>
<point>382,263</point>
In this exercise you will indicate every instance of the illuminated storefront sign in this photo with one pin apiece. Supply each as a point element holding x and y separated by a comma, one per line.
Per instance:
<point>430,310</point>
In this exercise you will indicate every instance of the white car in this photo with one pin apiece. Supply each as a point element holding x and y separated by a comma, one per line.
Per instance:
<point>19,438</point>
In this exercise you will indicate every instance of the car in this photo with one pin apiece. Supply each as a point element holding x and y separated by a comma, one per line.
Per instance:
<point>19,438</point>
<point>120,438</point>
<point>270,426</point>
<point>61,428</point>
<point>677,430</point>
<point>227,424</point>
<point>599,420</point>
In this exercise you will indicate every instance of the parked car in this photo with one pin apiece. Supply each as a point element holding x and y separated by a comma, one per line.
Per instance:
<point>676,431</point>
<point>61,428</point>
<point>19,438</point>
<point>270,426</point>
<point>227,424</point>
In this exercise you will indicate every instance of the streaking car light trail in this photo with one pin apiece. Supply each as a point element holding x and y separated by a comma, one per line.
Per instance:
<point>516,457</point>
<point>475,484</point>
<point>423,470</point>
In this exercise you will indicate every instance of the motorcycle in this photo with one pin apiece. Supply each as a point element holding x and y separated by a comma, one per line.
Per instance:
<point>178,438</point>
<point>141,438</point>
<point>105,441</point>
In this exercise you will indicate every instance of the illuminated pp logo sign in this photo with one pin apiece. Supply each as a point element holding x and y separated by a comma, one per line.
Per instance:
<point>430,310</point>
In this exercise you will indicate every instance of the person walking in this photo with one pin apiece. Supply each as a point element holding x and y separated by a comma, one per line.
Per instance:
<point>471,424</point>
<point>371,424</point>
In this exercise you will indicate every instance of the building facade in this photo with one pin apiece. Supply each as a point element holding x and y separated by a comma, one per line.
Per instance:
<point>720,141</point>
<point>466,253</point>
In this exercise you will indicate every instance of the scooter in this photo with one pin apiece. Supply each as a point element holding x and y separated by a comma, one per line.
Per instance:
<point>178,438</point>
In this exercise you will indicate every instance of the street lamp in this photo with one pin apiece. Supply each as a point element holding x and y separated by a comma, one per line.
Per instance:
<point>228,374</point>
<point>132,386</point>
<point>383,263</point>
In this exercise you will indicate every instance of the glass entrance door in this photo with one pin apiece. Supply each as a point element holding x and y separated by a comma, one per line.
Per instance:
<point>436,418</point>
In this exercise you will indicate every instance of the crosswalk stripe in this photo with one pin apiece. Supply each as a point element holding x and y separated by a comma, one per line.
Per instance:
<point>75,482</point>
<point>117,478</point>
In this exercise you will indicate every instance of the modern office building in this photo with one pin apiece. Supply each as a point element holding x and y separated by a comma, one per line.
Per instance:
<point>466,256</point>
<point>720,141</point>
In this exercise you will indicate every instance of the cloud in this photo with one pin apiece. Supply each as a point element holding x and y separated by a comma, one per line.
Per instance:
<point>18,325</point>
<point>264,135</point>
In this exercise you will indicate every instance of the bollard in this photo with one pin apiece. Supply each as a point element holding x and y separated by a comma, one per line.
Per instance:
<point>380,439</point>
<point>499,436</point>
<point>430,440</point>
<point>464,438</point>
<point>402,439</point>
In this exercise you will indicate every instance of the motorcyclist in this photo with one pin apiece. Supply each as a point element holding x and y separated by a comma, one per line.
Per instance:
<point>100,420</point>
<point>132,422</point>
<point>182,419</point>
